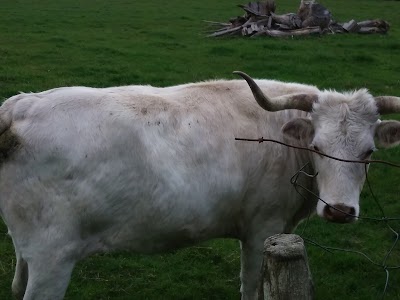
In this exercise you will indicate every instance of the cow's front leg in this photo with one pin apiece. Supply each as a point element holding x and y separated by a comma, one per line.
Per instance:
<point>251,264</point>
<point>20,277</point>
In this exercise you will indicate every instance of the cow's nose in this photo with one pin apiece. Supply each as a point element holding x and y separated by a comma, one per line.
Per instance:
<point>339,213</point>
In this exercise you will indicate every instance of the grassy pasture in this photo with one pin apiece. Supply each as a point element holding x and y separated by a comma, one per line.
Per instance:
<point>46,44</point>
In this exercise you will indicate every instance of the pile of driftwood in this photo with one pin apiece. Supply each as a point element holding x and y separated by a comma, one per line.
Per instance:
<point>311,18</point>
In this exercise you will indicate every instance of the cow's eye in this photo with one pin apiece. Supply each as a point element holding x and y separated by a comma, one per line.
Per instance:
<point>367,154</point>
<point>315,148</point>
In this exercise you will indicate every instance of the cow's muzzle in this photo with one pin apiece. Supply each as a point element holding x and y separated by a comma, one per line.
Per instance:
<point>340,213</point>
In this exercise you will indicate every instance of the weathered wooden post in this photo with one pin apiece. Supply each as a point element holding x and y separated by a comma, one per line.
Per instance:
<point>286,274</point>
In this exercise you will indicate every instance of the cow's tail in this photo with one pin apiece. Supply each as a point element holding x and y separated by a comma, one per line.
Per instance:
<point>6,112</point>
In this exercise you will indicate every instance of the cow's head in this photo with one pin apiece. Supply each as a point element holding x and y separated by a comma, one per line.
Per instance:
<point>343,125</point>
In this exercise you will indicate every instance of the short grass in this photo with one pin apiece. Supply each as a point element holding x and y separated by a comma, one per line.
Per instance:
<point>45,44</point>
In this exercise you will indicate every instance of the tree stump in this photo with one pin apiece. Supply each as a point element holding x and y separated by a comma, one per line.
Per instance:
<point>286,274</point>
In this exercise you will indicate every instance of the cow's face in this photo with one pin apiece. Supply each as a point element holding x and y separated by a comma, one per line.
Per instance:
<point>341,125</point>
<point>345,126</point>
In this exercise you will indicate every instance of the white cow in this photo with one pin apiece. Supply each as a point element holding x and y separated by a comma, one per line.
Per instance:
<point>85,170</point>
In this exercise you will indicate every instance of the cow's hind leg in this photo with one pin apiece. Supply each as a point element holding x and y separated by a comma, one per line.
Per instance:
<point>49,276</point>
<point>20,277</point>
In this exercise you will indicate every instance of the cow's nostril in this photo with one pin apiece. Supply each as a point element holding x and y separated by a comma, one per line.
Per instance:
<point>352,211</point>
<point>327,211</point>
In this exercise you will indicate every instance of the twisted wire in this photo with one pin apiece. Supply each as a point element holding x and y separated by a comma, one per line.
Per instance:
<point>301,172</point>
<point>329,249</point>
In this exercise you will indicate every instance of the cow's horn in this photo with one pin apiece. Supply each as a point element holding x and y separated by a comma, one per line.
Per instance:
<point>388,104</point>
<point>293,101</point>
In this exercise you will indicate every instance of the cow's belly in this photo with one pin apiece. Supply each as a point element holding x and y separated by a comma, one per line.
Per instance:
<point>154,239</point>
<point>115,204</point>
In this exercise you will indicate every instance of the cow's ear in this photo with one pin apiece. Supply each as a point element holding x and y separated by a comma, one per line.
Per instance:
<point>299,129</point>
<point>387,134</point>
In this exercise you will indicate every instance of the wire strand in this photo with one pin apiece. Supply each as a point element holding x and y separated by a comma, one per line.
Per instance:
<point>261,140</point>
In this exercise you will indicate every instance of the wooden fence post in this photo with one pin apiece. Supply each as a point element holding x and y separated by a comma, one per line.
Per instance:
<point>285,274</point>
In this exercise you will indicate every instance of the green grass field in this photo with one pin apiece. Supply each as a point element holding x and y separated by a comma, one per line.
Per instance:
<point>46,44</point>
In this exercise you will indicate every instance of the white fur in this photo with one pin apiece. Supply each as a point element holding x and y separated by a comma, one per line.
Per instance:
<point>150,169</point>
<point>344,128</point>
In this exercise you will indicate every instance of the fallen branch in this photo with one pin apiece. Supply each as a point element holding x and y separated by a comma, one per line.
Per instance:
<point>226,31</point>
<point>295,32</point>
